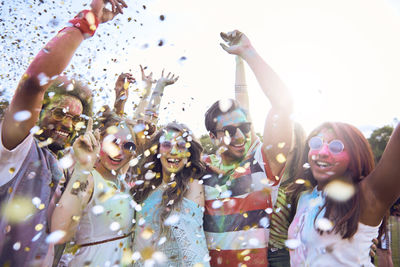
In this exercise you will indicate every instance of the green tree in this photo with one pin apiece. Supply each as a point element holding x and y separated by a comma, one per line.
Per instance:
<point>378,140</point>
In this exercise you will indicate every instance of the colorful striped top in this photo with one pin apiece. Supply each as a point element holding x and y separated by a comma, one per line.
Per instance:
<point>237,208</point>
<point>280,221</point>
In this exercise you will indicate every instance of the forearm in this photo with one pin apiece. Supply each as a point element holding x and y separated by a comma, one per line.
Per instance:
<point>68,211</point>
<point>272,86</point>
<point>241,94</point>
<point>144,102</point>
<point>154,103</point>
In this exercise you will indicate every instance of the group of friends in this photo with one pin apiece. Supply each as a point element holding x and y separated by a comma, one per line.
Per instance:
<point>78,189</point>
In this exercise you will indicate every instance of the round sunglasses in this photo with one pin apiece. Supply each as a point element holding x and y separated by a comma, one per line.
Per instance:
<point>128,146</point>
<point>59,114</point>
<point>168,145</point>
<point>334,146</point>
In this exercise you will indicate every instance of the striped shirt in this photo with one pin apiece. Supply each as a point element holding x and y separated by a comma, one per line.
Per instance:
<point>238,203</point>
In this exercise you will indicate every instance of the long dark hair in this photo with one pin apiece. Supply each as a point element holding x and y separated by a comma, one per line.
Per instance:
<point>344,215</point>
<point>174,194</point>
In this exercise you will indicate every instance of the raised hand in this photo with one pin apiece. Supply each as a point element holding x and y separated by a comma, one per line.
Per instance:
<point>122,84</point>
<point>147,79</point>
<point>104,14</point>
<point>237,42</point>
<point>87,147</point>
<point>168,80</point>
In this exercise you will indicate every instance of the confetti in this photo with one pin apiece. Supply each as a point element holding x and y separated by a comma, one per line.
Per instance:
<point>324,224</point>
<point>22,115</point>
<point>292,243</point>
<point>55,236</point>
<point>339,190</point>
<point>171,220</point>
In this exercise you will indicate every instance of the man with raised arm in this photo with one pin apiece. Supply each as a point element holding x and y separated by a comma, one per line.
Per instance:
<point>244,176</point>
<point>29,173</point>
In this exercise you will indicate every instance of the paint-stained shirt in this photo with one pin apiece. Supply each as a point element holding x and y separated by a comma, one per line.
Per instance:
<point>237,208</point>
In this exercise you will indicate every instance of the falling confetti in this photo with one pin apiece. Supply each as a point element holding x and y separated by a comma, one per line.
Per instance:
<point>55,236</point>
<point>339,190</point>
<point>22,115</point>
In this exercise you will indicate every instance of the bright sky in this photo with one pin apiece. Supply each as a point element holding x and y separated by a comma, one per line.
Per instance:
<point>340,59</point>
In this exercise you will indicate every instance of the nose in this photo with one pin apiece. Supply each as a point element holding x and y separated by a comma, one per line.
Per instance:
<point>67,122</point>
<point>239,134</point>
<point>324,151</point>
<point>174,150</point>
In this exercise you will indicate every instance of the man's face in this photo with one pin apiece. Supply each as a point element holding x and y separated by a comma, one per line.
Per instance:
<point>233,132</point>
<point>58,119</point>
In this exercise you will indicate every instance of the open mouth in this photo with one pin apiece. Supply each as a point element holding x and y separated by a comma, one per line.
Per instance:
<point>62,133</point>
<point>173,162</point>
<point>322,164</point>
<point>115,160</point>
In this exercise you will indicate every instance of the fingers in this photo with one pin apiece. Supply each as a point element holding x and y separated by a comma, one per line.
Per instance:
<point>162,73</point>
<point>225,47</point>
<point>224,36</point>
<point>89,127</point>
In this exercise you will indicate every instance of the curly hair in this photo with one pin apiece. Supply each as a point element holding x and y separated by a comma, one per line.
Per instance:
<point>194,169</point>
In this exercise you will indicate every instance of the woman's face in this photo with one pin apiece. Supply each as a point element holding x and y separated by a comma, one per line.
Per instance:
<point>174,152</point>
<point>328,159</point>
<point>117,149</point>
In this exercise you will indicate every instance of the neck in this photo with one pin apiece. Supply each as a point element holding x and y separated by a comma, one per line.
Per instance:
<point>105,173</point>
<point>166,176</point>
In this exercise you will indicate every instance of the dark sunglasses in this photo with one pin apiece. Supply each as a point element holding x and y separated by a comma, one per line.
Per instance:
<point>231,129</point>
<point>335,146</point>
<point>167,145</point>
<point>58,114</point>
<point>128,146</point>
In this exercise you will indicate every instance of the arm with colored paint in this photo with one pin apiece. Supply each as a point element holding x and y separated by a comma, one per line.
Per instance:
<point>48,63</point>
<point>155,100</point>
<point>79,189</point>
<point>148,81</point>
<point>381,188</point>
<point>122,92</point>
<point>277,136</point>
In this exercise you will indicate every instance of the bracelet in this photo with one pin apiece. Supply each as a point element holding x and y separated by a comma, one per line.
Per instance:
<point>86,21</point>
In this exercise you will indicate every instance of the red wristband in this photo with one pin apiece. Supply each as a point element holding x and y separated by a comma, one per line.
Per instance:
<point>86,21</point>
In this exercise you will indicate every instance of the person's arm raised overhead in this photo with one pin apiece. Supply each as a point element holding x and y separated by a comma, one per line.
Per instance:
<point>155,100</point>
<point>144,101</point>
<point>48,63</point>
<point>122,92</point>
<point>277,136</point>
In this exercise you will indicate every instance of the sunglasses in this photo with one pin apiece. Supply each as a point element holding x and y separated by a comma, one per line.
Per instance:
<point>167,145</point>
<point>335,146</point>
<point>59,114</point>
<point>231,129</point>
<point>128,146</point>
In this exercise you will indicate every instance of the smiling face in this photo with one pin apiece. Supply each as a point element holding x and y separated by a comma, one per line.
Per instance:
<point>326,165</point>
<point>117,149</point>
<point>174,152</point>
<point>60,130</point>
<point>233,132</point>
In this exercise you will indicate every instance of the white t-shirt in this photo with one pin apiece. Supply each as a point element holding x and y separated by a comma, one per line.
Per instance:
<point>11,160</point>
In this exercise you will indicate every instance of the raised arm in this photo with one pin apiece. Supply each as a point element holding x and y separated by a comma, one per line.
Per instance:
<point>381,188</point>
<point>277,136</point>
<point>48,63</point>
<point>122,92</point>
<point>80,188</point>
<point>155,100</point>
<point>144,101</point>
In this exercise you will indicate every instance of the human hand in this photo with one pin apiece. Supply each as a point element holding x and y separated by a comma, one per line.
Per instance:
<point>237,42</point>
<point>168,80</point>
<point>87,147</point>
<point>147,79</point>
<point>122,84</point>
<point>104,14</point>
<point>373,247</point>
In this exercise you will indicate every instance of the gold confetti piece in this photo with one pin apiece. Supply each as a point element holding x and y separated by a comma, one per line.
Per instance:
<point>188,145</point>
<point>245,252</point>
<point>339,190</point>
<point>112,130</point>
<point>147,233</point>
<point>300,181</point>
<point>27,249</point>
<point>245,215</point>
<point>41,206</point>
<point>38,227</point>
<point>247,258</point>
<point>198,265</point>
<point>281,158</point>
<point>146,153</point>
<point>76,218</point>
<point>18,209</point>
<point>10,190</point>
<point>281,145</point>
<point>76,185</point>
<point>11,170</point>
<point>240,170</point>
